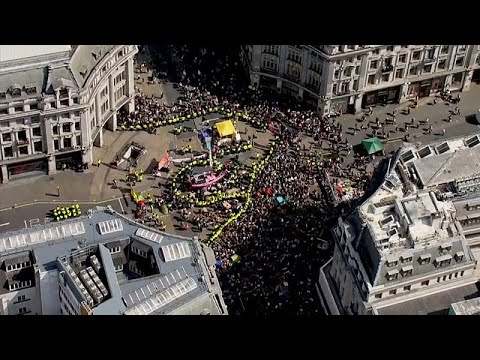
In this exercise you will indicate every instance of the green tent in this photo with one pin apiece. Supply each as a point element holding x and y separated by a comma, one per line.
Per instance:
<point>373,145</point>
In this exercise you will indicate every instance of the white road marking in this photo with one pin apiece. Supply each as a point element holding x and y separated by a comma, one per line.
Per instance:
<point>121,206</point>
<point>4,224</point>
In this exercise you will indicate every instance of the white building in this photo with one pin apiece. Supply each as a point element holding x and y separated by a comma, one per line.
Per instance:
<point>409,248</point>
<point>106,264</point>
<point>347,78</point>
<point>55,101</point>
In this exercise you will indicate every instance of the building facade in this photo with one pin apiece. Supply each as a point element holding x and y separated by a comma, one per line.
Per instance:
<point>106,264</point>
<point>411,247</point>
<point>347,78</point>
<point>56,101</point>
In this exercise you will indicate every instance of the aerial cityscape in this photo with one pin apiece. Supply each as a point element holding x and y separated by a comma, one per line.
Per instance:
<point>261,180</point>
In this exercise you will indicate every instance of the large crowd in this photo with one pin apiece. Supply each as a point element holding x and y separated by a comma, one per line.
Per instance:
<point>268,258</point>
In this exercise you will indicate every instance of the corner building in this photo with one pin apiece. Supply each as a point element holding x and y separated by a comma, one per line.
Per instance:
<point>57,100</point>
<point>347,78</point>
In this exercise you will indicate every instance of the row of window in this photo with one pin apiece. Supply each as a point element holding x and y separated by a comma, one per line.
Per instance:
<point>22,150</point>
<point>18,266</point>
<point>135,270</point>
<point>66,127</point>
<point>65,143</point>
<point>423,283</point>
<point>139,252</point>
<point>20,285</point>
<point>21,136</point>
<point>115,250</point>
<point>65,301</point>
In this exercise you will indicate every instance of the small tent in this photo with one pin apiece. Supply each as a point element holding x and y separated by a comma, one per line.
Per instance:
<point>373,145</point>
<point>226,128</point>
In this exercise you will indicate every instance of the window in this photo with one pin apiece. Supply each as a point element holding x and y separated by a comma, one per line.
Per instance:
<point>271,49</point>
<point>67,143</point>
<point>344,87</point>
<point>390,48</point>
<point>430,54</point>
<point>79,140</point>
<point>355,84</point>
<point>22,135</point>
<point>399,73</point>
<point>378,296</point>
<point>461,274</point>
<point>402,58</point>
<point>16,92</point>
<point>55,129</point>
<point>75,100</point>
<point>407,271</point>
<point>4,111</point>
<point>445,278</point>
<point>8,151</point>
<point>413,70</point>
<point>425,283</point>
<point>357,70</point>
<point>427,68</point>
<point>22,310</point>
<point>462,48</point>
<point>459,61</point>
<point>76,113</point>
<point>336,74</point>
<point>21,298</point>
<point>371,79</point>
<point>459,256</point>
<point>66,127</point>
<point>374,64</point>
<point>416,55</point>
<point>406,259</point>
<point>348,71</point>
<point>18,108</point>
<point>351,47</point>
<point>450,277</point>
<point>376,51</point>
<point>115,250</point>
<point>37,146</point>
<point>3,95</point>
<point>34,106</point>
<point>385,77</point>
<point>7,137</point>
<point>407,288</point>
<point>444,49</point>
<point>441,64</point>
<point>392,275</point>
<point>438,279</point>
<point>55,144</point>
<point>423,260</point>
<point>35,119</point>
<point>392,292</point>
<point>9,268</point>
<point>456,274</point>
<point>334,89</point>
<point>270,64</point>
<point>104,107</point>
<point>77,125</point>
<point>23,150</point>
<point>36,131</point>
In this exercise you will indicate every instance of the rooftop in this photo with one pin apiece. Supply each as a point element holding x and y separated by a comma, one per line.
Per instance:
<point>436,304</point>
<point>16,52</point>
<point>85,58</point>
<point>466,307</point>
<point>118,266</point>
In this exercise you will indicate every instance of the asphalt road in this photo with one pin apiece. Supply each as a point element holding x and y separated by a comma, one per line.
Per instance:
<point>37,214</point>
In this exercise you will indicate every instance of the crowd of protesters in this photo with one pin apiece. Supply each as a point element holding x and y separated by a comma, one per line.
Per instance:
<point>268,259</point>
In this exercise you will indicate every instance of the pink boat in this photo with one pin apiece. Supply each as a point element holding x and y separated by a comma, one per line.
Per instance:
<point>206,179</point>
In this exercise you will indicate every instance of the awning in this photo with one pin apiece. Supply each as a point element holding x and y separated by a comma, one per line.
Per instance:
<point>392,272</point>
<point>407,268</point>
<point>225,128</point>
<point>425,256</point>
<point>373,145</point>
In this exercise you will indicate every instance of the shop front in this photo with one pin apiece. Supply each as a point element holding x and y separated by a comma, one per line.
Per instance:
<point>27,168</point>
<point>290,89</point>
<point>457,81</point>
<point>476,76</point>
<point>268,82</point>
<point>339,105</point>
<point>382,96</point>
<point>70,159</point>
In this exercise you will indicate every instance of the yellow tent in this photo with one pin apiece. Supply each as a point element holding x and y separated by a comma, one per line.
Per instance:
<point>226,128</point>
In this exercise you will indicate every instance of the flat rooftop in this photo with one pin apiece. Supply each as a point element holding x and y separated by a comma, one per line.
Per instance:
<point>436,304</point>
<point>448,167</point>
<point>15,52</point>
<point>144,271</point>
